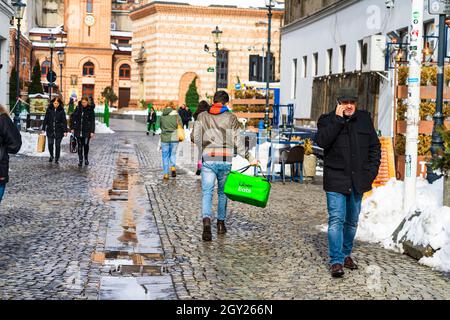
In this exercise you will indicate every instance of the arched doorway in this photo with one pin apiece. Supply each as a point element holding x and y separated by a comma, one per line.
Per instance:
<point>185,82</point>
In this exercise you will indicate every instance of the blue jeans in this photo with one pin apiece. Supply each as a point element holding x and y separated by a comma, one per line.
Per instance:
<point>211,172</point>
<point>169,155</point>
<point>343,211</point>
<point>2,191</point>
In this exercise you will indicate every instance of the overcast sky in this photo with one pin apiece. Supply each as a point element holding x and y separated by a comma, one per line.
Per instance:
<point>239,3</point>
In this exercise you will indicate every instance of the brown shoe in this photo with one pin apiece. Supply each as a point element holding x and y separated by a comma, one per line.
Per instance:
<point>350,264</point>
<point>221,228</point>
<point>207,235</point>
<point>337,270</point>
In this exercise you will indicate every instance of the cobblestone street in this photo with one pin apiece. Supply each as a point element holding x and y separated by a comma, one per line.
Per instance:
<point>54,218</point>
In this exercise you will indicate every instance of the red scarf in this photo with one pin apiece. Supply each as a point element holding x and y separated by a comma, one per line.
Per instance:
<point>218,108</point>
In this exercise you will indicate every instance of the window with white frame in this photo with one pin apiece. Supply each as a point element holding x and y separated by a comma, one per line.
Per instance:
<point>359,50</point>
<point>305,66</point>
<point>315,64</point>
<point>342,57</point>
<point>294,79</point>
<point>330,61</point>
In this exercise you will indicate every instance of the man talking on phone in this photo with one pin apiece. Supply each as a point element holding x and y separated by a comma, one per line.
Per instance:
<point>352,153</point>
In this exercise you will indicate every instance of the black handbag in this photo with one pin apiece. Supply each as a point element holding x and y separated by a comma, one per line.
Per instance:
<point>73,144</point>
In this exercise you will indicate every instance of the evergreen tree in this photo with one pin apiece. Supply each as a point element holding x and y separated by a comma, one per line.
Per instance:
<point>12,88</point>
<point>192,97</point>
<point>109,95</point>
<point>36,85</point>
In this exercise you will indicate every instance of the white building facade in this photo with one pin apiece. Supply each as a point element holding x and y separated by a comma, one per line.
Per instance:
<point>6,12</point>
<point>329,42</point>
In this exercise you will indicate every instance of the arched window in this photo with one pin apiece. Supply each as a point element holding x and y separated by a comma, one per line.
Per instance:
<point>89,6</point>
<point>88,69</point>
<point>125,71</point>
<point>45,68</point>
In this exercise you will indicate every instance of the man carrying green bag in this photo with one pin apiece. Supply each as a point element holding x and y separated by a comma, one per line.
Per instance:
<point>249,190</point>
<point>217,133</point>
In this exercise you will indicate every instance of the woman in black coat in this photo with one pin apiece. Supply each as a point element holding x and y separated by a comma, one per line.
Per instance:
<point>151,121</point>
<point>82,125</point>
<point>10,142</point>
<point>55,126</point>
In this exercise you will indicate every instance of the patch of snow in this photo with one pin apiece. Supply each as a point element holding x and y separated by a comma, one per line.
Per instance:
<point>137,112</point>
<point>29,145</point>
<point>101,108</point>
<point>102,128</point>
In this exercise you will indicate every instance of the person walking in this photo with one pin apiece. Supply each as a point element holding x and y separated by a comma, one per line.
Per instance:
<point>218,133</point>
<point>186,115</point>
<point>55,127</point>
<point>10,143</point>
<point>82,125</point>
<point>352,156</point>
<point>170,120</point>
<point>203,106</point>
<point>151,121</point>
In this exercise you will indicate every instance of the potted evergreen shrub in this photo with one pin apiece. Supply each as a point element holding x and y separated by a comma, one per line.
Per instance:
<point>442,163</point>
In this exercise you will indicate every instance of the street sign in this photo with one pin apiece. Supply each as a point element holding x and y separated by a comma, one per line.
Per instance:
<point>51,76</point>
<point>211,69</point>
<point>439,7</point>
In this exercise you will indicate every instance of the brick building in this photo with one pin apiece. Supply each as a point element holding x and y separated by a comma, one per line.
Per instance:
<point>172,44</point>
<point>95,37</point>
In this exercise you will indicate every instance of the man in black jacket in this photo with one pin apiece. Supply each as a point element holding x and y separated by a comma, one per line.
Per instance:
<point>10,142</point>
<point>352,153</point>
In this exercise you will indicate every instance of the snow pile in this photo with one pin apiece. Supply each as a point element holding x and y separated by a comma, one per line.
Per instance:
<point>382,214</point>
<point>29,145</point>
<point>137,112</point>
<point>102,128</point>
<point>101,108</point>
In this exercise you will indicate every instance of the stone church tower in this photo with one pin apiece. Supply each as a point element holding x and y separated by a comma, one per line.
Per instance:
<point>88,48</point>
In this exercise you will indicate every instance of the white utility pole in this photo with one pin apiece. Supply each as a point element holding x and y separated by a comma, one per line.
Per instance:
<point>412,129</point>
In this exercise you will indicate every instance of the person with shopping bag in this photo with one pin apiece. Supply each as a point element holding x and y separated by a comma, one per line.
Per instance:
<point>55,127</point>
<point>217,133</point>
<point>82,125</point>
<point>171,134</point>
<point>10,143</point>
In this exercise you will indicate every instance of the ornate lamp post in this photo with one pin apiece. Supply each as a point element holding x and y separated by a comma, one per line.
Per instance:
<point>269,4</point>
<point>52,44</point>
<point>20,9</point>
<point>217,35</point>
<point>61,58</point>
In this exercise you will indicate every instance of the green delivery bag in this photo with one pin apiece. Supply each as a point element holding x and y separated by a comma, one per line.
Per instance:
<point>246,189</point>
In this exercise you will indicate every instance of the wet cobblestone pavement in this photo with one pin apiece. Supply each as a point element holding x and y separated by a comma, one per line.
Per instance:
<point>54,218</point>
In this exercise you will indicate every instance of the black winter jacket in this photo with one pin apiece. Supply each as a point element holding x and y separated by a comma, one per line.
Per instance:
<point>83,121</point>
<point>352,152</point>
<point>151,118</point>
<point>185,115</point>
<point>55,122</point>
<point>10,142</point>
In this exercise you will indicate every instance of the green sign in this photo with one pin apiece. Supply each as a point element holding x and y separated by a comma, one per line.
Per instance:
<point>211,69</point>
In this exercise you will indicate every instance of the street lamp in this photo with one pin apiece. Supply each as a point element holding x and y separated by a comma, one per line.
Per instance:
<point>20,9</point>
<point>52,44</point>
<point>217,34</point>
<point>61,61</point>
<point>270,5</point>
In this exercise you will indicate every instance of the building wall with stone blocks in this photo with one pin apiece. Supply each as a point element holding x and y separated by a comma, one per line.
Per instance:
<point>171,39</point>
